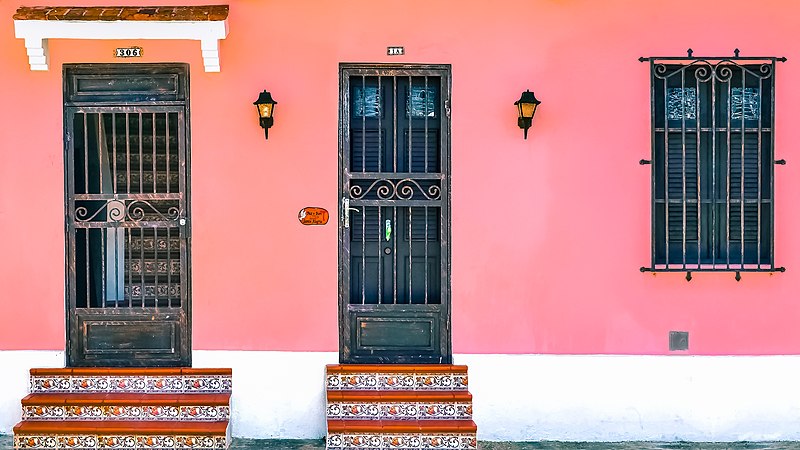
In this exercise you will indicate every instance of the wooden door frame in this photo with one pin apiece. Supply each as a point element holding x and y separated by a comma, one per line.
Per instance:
<point>132,101</point>
<point>383,69</point>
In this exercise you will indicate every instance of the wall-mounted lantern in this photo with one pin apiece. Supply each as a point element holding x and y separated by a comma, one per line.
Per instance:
<point>266,106</point>
<point>526,105</point>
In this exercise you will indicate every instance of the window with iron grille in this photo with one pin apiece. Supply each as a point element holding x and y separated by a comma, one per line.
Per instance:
<point>712,164</point>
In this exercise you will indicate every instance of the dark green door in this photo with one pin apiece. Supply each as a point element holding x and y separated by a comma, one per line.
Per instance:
<point>394,227</point>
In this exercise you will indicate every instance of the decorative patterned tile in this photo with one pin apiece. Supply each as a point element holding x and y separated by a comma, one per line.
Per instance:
<point>212,383</point>
<point>204,412</point>
<point>396,381</point>
<point>161,412</point>
<point>77,442</point>
<point>43,412</point>
<point>401,441</point>
<point>399,410</point>
<point>132,384</point>
<point>50,384</point>
<point>28,441</point>
<point>117,441</point>
<point>84,412</point>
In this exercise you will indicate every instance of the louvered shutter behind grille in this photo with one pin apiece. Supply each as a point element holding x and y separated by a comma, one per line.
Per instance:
<point>749,191</point>
<point>680,170</point>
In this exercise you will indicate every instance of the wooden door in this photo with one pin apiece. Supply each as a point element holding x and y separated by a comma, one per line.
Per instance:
<point>127,215</point>
<point>394,227</point>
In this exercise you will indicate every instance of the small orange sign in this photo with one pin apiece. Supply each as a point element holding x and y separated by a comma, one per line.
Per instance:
<point>312,215</point>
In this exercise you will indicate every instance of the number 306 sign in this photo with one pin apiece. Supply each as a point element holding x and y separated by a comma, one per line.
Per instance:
<point>129,52</point>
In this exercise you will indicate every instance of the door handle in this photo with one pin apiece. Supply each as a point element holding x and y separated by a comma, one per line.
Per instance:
<point>346,212</point>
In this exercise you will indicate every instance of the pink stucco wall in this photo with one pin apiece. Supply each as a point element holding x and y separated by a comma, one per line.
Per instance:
<point>548,233</point>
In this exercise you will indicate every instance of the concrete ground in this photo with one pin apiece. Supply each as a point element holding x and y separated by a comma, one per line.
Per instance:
<point>251,444</point>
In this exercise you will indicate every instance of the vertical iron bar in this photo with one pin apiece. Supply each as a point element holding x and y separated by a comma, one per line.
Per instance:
<point>114,150</point>
<point>425,267</point>
<point>103,243</point>
<point>410,255</point>
<point>409,167</point>
<point>728,181</point>
<point>394,170</point>
<point>155,169</point>
<point>129,281</point>
<point>143,264</point>
<point>88,291</point>
<point>425,121</point>
<point>380,256</point>
<point>394,241</point>
<point>380,149</point>
<point>141,158</point>
<point>666,174</point>
<point>714,81</point>
<point>364,254</point>
<point>155,264</point>
<point>652,172</point>
<point>683,167</point>
<point>128,152</point>
<point>116,267</point>
<point>758,178</point>
<point>394,130</point>
<point>698,123</point>
<point>86,157</point>
<point>100,153</point>
<point>772,126</point>
<point>410,118</point>
<point>169,266</point>
<point>364,127</point>
<point>741,179</point>
<point>380,126</point>
<point>167,149</point>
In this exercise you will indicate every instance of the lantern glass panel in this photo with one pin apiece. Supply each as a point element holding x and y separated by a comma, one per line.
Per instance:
<point>527,109</point>
<point>265,110</point>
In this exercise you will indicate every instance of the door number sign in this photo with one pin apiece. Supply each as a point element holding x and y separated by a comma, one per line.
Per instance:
<point>128,52</point>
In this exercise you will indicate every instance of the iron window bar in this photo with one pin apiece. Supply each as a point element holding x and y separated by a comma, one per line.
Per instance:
<point>712,164</point>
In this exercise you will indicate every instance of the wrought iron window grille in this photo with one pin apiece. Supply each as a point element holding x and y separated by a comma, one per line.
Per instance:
<point>712,164</point>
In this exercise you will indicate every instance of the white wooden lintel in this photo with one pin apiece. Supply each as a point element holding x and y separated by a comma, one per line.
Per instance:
<point>37,32</point>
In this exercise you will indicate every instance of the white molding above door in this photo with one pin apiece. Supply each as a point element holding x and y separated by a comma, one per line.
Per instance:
<point>37,33</point>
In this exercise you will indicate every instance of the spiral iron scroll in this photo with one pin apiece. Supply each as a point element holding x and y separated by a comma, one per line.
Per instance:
<point>387,189</point>
<point>707,70</point>
<point>119,211</point>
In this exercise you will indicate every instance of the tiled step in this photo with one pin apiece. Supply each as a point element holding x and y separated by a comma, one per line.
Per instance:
<point>120,434</point>
<point>389,405</point>
<point>401,434</point>
<point>150,380</point>
<point>396,377</point>
<point>141,406</point>
<point>126,408</point>
<point>379,407</point>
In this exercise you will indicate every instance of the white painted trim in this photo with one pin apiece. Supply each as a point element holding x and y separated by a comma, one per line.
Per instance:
<point>37,32</point>
<point>516,397</point>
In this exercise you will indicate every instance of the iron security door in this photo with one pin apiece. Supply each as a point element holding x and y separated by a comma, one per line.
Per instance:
<point>126,158</point>
<point>395,221</point>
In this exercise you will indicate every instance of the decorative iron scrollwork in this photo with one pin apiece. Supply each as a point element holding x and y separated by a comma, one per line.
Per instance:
<point>133,210</point>
<point>706,70</point>
<point>387,189</point>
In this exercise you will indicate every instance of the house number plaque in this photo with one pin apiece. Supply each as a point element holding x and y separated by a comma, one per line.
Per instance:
<point>129,52</point>
<point>311,215</point>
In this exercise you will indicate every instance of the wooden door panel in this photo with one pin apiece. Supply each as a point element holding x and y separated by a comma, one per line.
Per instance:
<point>395,333</point>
